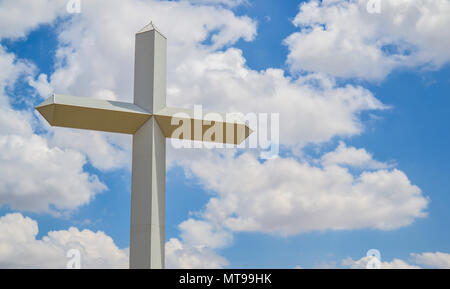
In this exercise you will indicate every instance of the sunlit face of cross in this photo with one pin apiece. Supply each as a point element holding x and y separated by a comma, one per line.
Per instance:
<point>150,122</point>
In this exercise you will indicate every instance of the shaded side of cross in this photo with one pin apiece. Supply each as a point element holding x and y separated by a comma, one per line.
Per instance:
<point>150,122</point>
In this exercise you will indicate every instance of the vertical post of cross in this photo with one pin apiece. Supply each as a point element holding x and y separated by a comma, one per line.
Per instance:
<point>147,238</point>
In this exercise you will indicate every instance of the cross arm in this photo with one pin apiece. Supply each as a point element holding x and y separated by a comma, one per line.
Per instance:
<point>93,114</point>
<point>123,117</point>
<point>212,127</point>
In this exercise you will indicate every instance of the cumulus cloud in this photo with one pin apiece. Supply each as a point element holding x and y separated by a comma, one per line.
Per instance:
<point>229,3</point>
<point>35,176</point>
<point>343,39</point>
<point>201,233</point>
<point>362,264</point>
<point>437,260</point>
<point>19,247</point>
<point>30,13</point>
<point>181,256</point>
<point>197,246</point>
<point>11,69</point>
<point>433,260</point>
<point>312,108</point>
<point>89,36</point>
<point>41,85</point>
<point>285,196</point>
<point>105,151</point>
<point>353,157</point>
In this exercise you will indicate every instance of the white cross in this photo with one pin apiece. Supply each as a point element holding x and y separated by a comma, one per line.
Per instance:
<point>150,122</point>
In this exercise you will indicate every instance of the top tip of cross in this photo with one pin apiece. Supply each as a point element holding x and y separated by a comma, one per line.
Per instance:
<point>150,27</point>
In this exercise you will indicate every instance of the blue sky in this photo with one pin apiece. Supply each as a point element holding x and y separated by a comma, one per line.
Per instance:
<point>411,135</point>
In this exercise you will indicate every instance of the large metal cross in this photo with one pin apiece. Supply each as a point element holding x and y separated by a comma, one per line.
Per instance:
<point>150,122</point>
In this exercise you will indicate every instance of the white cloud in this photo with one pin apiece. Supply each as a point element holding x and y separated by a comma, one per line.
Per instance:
<point>288,196</point>
<point>105,151</point>
<point>10,70</point>
<point>362,264</point>
<point>18,17</point>
<point>35,176</point>
<point>353,157</point>
<point>312,108</point>
<point>284,196</point>
<point>343,39</point>
<point>19,247</point>
<point>89,36</point>
<point>229,3</point>
<point>41,85</point>
<point>181,256</point>
<point>197,244</point>
<point>201,233</point>
<point>434,260</point>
